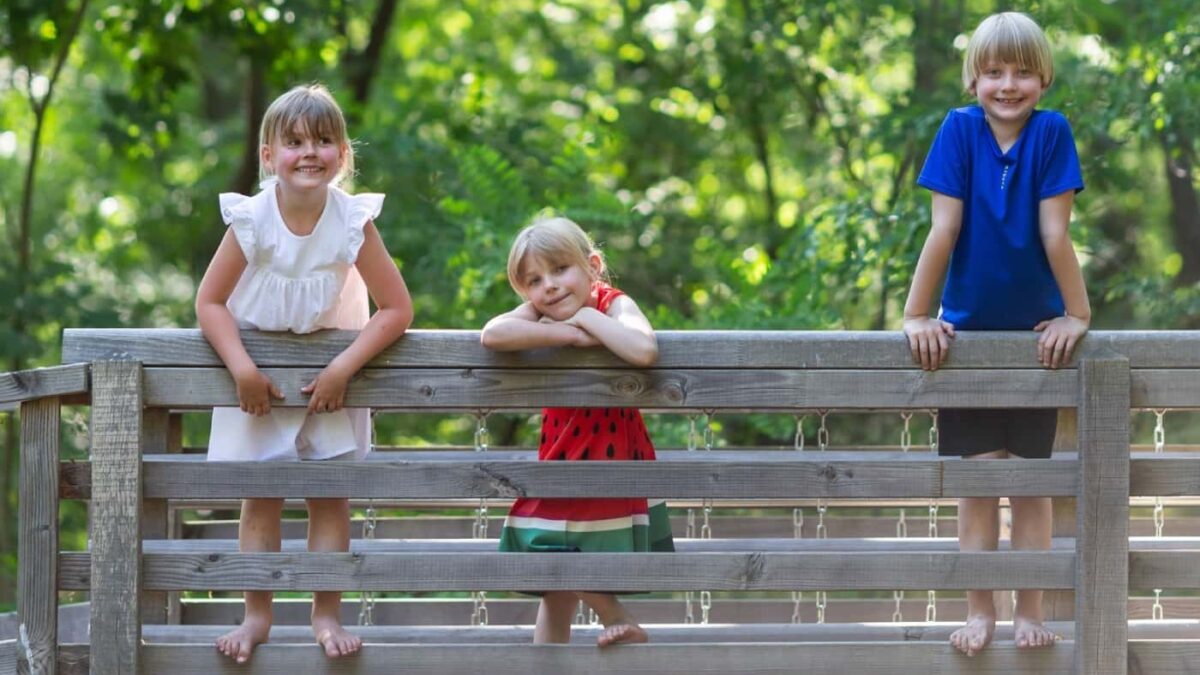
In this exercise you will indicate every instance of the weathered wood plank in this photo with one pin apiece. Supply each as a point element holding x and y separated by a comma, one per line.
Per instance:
<point>37,599</point>
<point>8,657</point>
<point>1161,388</point>
<point>27,385</point>
<point>116,517</point>
<point>711,474</point>
<point>1166,475</point>
<point>678,349</point>
<point>472,389</point>
<point>156,516</point>
<point>1163,657</point>
<point>604,571</point>
<point>1102,573</point>
<point>817,658</point>
<point>1177,546</point>
<point>1174,569</point>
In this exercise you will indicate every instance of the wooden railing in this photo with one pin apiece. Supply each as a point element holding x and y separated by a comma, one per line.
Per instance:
<point>133,378</point>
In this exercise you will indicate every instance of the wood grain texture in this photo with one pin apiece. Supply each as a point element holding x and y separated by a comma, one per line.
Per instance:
<point>116,517</point>
<point>677,349</point>
<point>500,474</point>
<point>1102,533</point>
<point>27,385</point>
<point>604,571</point>
<point>37,536</point>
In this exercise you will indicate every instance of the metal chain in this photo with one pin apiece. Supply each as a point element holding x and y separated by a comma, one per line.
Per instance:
<point>798,439</point>
<point>1160,518</point>
<point>689,615</point>
<point>822,532</point>
<point>709,415</point>
<point>902,520</point>
<point>797,533</point>
<point>479,610</point>
<point>931,602</point>
<point>366,609</point>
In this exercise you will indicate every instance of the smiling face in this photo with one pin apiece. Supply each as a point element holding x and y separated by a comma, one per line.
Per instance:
<point>1008,92</point>
<point>303,160</point>
<point>558,289</point>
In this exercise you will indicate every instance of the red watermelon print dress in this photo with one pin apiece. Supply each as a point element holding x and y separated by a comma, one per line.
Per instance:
<point>585,524</point>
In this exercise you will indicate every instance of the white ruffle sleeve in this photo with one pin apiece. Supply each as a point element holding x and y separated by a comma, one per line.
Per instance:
<point>238,213</point>
<point>362,208</point>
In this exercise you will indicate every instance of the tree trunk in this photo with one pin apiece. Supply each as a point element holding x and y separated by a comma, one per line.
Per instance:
<point>361,67</point>
<point>1185,207</point>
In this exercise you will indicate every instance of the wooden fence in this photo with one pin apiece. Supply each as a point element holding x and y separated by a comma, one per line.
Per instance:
<point>133,379</point>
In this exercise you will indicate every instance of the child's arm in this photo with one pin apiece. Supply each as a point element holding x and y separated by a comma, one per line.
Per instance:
<point>624,330</point>
<point>927,337</point>
<point>254,389</point>
<point>1061,334</point>
<point>393,315</point>
<point>522,328</point>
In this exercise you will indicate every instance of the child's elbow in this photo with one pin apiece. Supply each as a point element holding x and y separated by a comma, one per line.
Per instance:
<point>647,356</point>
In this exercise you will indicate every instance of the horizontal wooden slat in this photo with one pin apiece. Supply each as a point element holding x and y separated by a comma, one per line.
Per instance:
<point>27,385</point>
<point>1175,569</point>
<point>1163,657</point>
<point>494,389</point>
<point>714,474</point>
<point>1162,388</point>
<point>603,571</point>
<point>8,657</point>
<point>814,658</point>
<point>1166,475</point>
<point>682,545</point>
<point>677,349</point>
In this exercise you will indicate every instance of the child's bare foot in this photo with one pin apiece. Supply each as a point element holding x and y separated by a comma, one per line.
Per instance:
<point>975,635</point>
<point>335,639</point>
<point>240,642</point>
<point>621,633</point>
<point>1030,634</point>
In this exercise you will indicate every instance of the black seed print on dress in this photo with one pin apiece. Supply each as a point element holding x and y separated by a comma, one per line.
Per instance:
<point>606,412</point>
<point>556,422</point>
<point>596,428</point>
<point>576,432</point>
<point>609,451</point>
<point>587,412</point>
<point>585,454</point>
<point>543,439</point>
<point>612,427</point>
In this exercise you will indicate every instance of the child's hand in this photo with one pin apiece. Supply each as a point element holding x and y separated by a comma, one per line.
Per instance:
<point>929,340</point>
<point>328,390</point>
<point>255,392</point>
<point>1058,340</point>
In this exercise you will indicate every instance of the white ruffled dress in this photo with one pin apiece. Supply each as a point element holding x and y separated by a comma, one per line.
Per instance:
<point>299,284</point>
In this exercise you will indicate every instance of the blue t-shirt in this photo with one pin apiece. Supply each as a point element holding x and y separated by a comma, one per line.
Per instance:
<point>1000,278</point>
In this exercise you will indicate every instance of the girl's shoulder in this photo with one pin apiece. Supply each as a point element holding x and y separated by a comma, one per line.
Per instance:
<point>238,209</point>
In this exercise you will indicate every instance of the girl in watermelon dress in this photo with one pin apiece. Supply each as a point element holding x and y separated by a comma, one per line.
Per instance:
<point>557,271</point>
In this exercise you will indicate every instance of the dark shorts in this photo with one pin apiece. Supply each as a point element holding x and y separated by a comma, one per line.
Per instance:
<point>1024,432</point>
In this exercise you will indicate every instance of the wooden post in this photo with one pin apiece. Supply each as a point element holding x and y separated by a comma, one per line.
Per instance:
<point>37,548</point>
<point>1102,536</point>
<point>117,517</point>
<point>1060,605</point>
<point>156,438</point>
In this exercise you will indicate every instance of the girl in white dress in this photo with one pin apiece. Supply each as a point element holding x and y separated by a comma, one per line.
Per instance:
<point>299,256</point>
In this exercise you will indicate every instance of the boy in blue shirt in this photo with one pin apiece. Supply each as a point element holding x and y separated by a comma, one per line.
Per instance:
<point>1003,176</point>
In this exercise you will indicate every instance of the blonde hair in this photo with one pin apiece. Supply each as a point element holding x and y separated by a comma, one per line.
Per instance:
<point>314,109</point>
<point>1008,37</point>
<point>556,240</point>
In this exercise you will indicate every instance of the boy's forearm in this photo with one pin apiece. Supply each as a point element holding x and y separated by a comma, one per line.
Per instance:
<point>1065,267</point>
<point>931,267</point>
